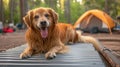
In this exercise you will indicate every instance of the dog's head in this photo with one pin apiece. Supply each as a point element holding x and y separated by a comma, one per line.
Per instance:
<point>41,19</point>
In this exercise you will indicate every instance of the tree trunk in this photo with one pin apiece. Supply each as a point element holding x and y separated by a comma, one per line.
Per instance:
<point>23,8</point>
<point>11,6</point>
<point>67,11</point>
<point>107,6</point>
<point>1,11</point>
<point>53,4</point>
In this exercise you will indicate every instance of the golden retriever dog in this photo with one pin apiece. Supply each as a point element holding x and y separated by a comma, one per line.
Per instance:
<point>43,34</point>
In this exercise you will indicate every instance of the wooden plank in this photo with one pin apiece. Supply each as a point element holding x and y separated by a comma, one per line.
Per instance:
<point>80,55</point>
<point>111,59</point>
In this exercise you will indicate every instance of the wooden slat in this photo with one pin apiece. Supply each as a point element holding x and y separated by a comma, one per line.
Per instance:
<point>80,55</point>
<point>110,58</point>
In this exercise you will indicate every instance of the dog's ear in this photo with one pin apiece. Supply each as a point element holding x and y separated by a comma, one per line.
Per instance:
<point>28,19</point>
<point>54,15</point>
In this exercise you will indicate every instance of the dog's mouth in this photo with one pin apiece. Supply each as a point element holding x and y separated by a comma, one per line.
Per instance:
<point>44,32</point>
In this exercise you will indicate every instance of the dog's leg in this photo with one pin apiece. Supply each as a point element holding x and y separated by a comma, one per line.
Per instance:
<point>27,53</point>
<point>57,49</point>
<point>64,49</point>
<point>52,52</point>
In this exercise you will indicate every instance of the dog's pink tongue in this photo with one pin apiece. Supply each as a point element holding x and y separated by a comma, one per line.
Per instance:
<point>44,33</point>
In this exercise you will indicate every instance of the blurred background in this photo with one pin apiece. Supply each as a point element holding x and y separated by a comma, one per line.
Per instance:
<point>12,11</point>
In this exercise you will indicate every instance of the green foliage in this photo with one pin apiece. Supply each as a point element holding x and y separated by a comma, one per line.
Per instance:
<point>17,14</point>
<point>61,15</point>
<point>6,10</point>
<point>112,6</point>
<point>6,15</point>
<point>76,11</point>
<point>94,4</point>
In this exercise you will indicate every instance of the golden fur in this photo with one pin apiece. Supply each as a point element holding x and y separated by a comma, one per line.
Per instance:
<point>58,34</point>
<point>36,44</point>
<point>69,34</point>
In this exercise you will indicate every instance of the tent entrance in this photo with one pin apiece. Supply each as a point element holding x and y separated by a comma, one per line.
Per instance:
<point>94,22</point>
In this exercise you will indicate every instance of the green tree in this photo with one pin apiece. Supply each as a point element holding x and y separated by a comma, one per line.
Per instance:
<point>11,7</point>
<point>76,11</point>
<point>1,11</point>
<point>51,4</point>
<point>111,7</point>
<point>67,11</point>
<point>24,8</point>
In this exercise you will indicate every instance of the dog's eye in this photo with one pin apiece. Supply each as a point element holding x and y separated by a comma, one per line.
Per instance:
<point>36,17</point>
<point>46,15</point>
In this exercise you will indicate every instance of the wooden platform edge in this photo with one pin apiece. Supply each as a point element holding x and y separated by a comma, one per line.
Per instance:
<point>109,57</point>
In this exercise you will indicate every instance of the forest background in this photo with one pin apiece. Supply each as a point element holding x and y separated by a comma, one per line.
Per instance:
<point>69,10</point>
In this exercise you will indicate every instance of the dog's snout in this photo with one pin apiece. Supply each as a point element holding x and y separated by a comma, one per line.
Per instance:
<point>43,23</point>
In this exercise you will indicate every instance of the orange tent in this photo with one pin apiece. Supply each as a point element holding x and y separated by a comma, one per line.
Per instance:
<point>95,18</point>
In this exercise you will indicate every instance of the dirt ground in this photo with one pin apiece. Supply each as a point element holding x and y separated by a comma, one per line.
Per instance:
<point>11,40</point>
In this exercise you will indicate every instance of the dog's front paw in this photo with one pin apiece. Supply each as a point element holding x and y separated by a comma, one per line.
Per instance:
<point>25,55</point>
<point>50,55</point>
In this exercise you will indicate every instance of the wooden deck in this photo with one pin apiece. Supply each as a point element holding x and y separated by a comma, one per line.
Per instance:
<point>80,55</point>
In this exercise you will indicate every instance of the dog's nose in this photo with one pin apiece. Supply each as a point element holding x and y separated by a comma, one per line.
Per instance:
<point>43,23</point>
